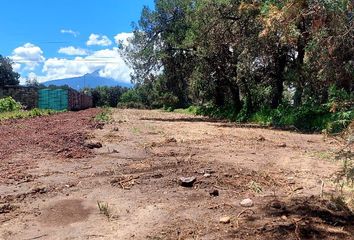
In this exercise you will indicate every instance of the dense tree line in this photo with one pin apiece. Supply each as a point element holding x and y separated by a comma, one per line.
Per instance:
<point>105,96</point>
<point>243,55</point>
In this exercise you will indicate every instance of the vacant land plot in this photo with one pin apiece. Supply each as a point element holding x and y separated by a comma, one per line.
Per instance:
<point>53,186</point>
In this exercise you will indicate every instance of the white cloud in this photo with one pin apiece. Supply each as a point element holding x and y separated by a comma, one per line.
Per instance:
<point>69,31</point>
<point>108,61</point>
<point>73,51</point>
<point>28,55</point>
<point>123,38</point>
<point>98,40</point>
<point>16,67</point>
<point>31,75</point>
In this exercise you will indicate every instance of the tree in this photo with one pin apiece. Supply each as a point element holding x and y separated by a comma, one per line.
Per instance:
<point>7,75</point>
<point>243,55</point>
<point>106,96</point>
<point>32,82</point>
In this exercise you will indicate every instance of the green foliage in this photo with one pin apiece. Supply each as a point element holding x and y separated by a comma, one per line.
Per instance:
<point>192,110</point>
<point>105,116</point>
<point>131,105</point>
<point>342,110</point>
<point>133,98</point>
<point>217,112</point>
<point>106,96</point>
<point>272,62</point>
<point>304,118</point>
<point>104,209</point>
<point>7,75</point>
<point>131,95</point>
<point>8,104</point>
<point>19,114</point>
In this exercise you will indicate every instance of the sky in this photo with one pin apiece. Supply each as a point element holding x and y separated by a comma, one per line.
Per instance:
<point>55,39</point>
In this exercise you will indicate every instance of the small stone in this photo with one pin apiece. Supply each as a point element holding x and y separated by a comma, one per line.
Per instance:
<point>116,129</point>
<point>277,205</point>
<point>115,151</point>
<point>187,182</point>
<point>291,180</point>
<point>5,208</point>
<point>209,170</point>
<point>225,220</point>
<point>207,175</point>
<point>282,145</point>
<point>261,138</point>
<point>40,190</point>
<point>92,145</point>
<point>246,203</point>
<point>171,140</point>
<point>284,217</point>
<point>214,193</point>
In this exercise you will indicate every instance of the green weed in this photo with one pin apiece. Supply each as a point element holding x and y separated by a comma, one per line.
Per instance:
<point>255,187</point>
<point>104,208</point>
<point>8,104</point>
<point>105,116</point>
<point>19,114</point>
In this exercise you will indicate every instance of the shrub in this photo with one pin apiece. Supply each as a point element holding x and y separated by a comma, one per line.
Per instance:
<point>19,114</point>
<point>105,116</point>
<point>131,95</point>
<point>133,105</point>
<point>8,104</point>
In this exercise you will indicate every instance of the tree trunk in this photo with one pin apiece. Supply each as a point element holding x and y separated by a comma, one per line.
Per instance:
<point>278,84</point>
<point>298,96</point>
<point>301,45</point>
<point>235,92</point>
<point>219,96</point>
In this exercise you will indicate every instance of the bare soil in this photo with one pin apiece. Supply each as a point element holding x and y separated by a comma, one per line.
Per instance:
<point>51,181</point>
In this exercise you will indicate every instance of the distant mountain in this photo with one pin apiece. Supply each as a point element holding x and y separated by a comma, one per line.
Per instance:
<point>90,80</point>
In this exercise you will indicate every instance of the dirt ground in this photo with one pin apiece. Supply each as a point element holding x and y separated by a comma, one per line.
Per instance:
<point>54,186</point>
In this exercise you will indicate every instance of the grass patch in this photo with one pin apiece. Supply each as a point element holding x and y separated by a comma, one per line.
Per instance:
<point>304,118</point>
<point>255,187</point>
<point>328,156</point>
<point>136,130</point>
<point>105,116</point>
<point>192,110</point>
<point>20,114</point>
<point>104,209</point>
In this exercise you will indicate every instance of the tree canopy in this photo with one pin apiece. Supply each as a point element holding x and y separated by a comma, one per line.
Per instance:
<point>222,50</point>
<point>7,75</point>
<point>243,54</point>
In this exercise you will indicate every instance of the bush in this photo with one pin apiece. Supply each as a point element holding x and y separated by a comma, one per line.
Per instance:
<point>105,116</point>
<point>133,105</point>
<point>130,96</point>
<point>193,110</point>
<point>218,113</point>
<point>342,111</point>
<point>19,114</point>
<point>8,104</point>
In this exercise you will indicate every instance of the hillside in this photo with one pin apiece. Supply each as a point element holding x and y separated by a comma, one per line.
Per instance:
<point>90,80</point>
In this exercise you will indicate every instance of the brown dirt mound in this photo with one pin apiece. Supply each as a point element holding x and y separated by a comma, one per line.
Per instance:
<point>61,135</point>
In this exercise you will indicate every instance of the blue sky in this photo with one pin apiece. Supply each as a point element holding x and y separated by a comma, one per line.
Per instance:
<point>50,39</point>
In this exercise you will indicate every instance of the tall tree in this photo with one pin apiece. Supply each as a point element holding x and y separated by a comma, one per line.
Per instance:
<point>7,75</point>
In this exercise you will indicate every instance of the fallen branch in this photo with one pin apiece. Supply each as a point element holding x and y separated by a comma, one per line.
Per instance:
<point>240,214</point>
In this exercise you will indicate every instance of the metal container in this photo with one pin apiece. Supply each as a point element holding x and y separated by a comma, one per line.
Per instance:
<point>63,99</point>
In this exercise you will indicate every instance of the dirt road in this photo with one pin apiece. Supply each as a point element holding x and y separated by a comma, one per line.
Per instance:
<point>53,193</point>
